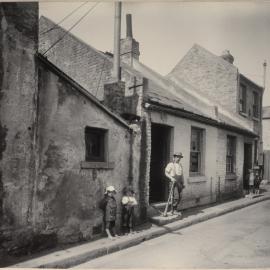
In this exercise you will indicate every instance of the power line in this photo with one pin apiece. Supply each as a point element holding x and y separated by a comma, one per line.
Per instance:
<point>100,76</point>
<point>55,26</point>
<point>72,27</point>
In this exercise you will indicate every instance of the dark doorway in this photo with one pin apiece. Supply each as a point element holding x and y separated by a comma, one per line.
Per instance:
<point>247,164</point>
<point>160,155</point>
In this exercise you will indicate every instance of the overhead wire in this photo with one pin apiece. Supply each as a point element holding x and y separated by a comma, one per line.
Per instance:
<point>100,77</point>
<point>67,16</point>
<point>74,25</point>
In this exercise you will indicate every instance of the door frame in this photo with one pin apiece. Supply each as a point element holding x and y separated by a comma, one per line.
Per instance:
<point>165,158</point>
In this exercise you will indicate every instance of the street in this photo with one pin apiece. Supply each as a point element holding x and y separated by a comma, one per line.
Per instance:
<point>236,240</point>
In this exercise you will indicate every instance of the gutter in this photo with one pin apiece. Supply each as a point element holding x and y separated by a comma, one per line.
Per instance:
<point>154,106</point>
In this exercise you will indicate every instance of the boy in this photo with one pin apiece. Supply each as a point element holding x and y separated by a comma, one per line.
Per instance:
<point>174,172</point>
<point>251,181</point>
<point>109,207</point>
<point>128,204</point>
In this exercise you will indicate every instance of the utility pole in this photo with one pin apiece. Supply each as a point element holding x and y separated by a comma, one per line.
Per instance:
<point>264,74</point>
<point>117,35</point>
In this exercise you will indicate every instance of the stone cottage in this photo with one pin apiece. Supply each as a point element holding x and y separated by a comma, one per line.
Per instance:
<point>68,129</point>
<point>60,146</point>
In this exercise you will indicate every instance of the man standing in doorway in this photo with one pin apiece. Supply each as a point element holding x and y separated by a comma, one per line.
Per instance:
<point>174,171</point>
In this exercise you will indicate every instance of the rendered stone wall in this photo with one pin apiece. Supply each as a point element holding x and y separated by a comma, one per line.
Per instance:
<point>230,186</point>
<point>18,102</point>
<point>199,190</point>
<point>68,193</point>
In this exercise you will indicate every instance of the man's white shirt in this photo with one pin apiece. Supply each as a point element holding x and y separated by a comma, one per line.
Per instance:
<point>173,169</point>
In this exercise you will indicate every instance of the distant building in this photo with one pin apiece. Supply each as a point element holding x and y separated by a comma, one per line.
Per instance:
<point>266,127</point>
<point>266,141</point>
<point>217,79</point>
<point>68,129</point>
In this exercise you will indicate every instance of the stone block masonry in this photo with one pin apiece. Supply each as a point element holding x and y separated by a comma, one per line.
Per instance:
<point>211,75</point>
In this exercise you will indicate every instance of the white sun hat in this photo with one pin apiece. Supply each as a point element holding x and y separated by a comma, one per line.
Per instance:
<point>110,189</point>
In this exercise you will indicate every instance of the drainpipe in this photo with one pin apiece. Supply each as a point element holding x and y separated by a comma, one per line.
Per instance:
<point>117,33</point>
<point>261,112</point>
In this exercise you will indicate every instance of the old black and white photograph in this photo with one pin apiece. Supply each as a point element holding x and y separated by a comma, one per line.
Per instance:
<point>135,134</point>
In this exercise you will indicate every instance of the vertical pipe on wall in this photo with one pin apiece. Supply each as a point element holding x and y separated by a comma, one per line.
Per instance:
<point>117,34</point>
<point>264,74</point>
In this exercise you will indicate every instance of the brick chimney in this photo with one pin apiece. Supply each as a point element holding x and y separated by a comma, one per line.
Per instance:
<point>129,46</point>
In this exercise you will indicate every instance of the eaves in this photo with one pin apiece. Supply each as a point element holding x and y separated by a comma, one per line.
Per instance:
<point>155,106</point>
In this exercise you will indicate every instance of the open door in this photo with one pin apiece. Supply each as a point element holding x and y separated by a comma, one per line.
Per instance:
<point>247,164</point>
<point>160,156</point>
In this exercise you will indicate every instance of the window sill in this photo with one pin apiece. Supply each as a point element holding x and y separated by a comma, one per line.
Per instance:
<point>97,165</point>
<point>231,177</point>
<point>255,119</point>
<point>243,114</point>
<point>196,179</point>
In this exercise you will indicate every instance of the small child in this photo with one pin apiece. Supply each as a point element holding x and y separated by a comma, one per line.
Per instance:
<point>128,204</point>
<point>251,181</point>
<point>257,182</point>
<point>109,207</point>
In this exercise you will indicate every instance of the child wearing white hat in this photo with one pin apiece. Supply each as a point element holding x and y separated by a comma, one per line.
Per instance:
<point>109,208</point>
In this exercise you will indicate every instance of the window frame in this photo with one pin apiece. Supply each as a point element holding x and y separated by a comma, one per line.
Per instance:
<point>255,104</point>
<point>243,98</point>
<point>200,152</point>
<point>103,141</point>
<point>231,156</point>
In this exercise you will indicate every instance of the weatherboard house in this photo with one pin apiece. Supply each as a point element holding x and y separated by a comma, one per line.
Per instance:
<point>68,130</point>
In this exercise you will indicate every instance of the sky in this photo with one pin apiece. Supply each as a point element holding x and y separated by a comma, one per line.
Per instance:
<point>167,30</point>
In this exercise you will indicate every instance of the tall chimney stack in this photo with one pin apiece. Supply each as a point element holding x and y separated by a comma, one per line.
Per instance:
<point>129,46</point>
<point>129,25</point>
<point>117,34</point>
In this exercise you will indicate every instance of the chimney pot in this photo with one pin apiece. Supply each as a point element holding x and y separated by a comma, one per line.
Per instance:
<point>226,55</point>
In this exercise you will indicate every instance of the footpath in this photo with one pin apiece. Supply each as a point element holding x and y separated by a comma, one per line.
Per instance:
<point>73,256</point>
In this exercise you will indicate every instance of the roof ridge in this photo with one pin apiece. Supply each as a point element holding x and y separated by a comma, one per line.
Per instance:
<point>182,59</point>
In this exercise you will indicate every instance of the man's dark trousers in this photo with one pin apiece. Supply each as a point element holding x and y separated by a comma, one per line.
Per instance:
<point>177,193</point>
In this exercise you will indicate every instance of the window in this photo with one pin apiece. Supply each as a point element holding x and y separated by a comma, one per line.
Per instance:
<point>231,154</point>
<point>196,149</point>
<point>256,105</point>
<point>243,98</point>
<point>95,144</point>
